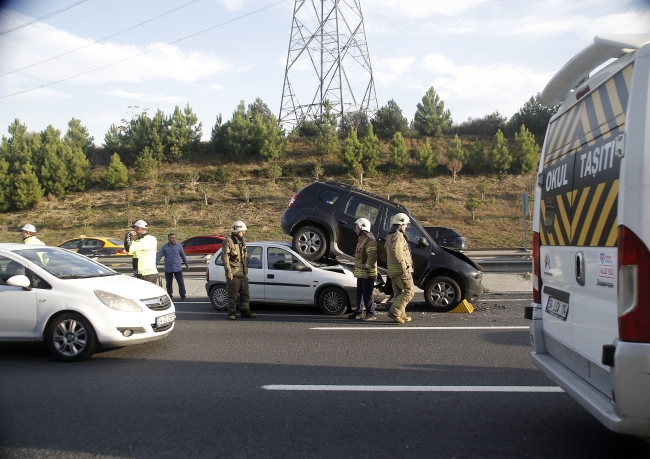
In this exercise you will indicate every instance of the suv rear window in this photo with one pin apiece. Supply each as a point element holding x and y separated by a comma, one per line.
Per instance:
<point>360,208</point>
<point>329,197</point>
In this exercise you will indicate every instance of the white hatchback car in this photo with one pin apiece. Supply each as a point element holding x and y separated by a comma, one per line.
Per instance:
<point>277,274</point>
<point>71,302</point>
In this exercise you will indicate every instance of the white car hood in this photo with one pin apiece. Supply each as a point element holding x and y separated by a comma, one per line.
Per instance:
<point>120,284</point>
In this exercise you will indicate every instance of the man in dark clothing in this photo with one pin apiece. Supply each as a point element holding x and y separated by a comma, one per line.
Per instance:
<point>365,270</point>
<point>174,255</point>
<point>235,262</point>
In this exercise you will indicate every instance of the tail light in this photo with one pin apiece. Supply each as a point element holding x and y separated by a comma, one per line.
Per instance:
<point>537,278</point>
<point>633,287</point>
<point>294,198</point>
<point>122,252</point>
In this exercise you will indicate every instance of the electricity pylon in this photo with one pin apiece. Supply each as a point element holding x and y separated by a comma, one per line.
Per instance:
<point>328,41</point>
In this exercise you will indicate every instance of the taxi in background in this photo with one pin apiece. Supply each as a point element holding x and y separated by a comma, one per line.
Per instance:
<point>95,246</point>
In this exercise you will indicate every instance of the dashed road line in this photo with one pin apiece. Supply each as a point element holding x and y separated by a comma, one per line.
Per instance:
<point>392,326</point>
<point>335,388</point>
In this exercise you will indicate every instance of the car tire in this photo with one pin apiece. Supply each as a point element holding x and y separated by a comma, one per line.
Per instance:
<point>70,337</point>
<point>310,242</point>
<point>219,298</point>
<point>442,294</point>
<point>333,301</point>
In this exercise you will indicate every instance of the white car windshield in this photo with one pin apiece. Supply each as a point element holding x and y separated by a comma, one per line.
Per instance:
<point>63,264</point>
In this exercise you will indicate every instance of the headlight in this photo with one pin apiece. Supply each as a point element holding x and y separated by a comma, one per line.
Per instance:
<point>478,276</point>
<point>117,302</point>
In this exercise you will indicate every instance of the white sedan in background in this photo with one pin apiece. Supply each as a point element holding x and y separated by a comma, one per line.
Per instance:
<point>277,274</point>
<point>75,304</point>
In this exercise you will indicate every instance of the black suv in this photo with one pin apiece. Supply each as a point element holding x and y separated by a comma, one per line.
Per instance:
<point>321,217</point>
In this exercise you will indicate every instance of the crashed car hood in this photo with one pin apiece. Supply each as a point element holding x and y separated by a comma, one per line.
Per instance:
<point>462,256</point>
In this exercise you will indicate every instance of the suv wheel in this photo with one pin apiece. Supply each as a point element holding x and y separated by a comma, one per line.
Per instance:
<point>333,301</point>
<point>442,294</point>
<point>219,297</point>
<point>310,242</point>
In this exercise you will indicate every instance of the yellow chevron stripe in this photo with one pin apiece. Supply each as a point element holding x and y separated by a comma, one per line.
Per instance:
<point>606,209</point>
<point>627,76</point>
<point>590,214</point>
<point>578,213</point>
<point>576,121</point>
<point>598,105</point>
<point>612,239</point>
<point>586,128</point>
<point>551,240</point>
<point>542,236</point>
<point>571,195</point>
<point>564,221</point>
<point>614,100</point>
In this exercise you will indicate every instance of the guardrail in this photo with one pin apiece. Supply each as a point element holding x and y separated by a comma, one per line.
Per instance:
<point>492,260</point>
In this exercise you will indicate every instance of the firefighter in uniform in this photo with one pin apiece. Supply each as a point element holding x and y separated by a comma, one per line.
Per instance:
<point>400,267</point>
<point>28,233</point>
<point>365,270</point>
<point>143,247</point>
<point>235,263</point>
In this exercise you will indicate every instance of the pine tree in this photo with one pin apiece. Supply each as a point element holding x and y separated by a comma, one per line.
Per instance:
<point>399,154</point>
<point>53,174</point>
<point>456,150</point>
<point>352,154</point>
<point>428,160</point>
<point>27,190</point>
<point>371,154</point>
<point>239,141</point>
<point>146,166</point>
<point>327,141</point>
<point>78,136</point>
<point>431,119</point>
<point>78,169</point>
<point>499,157</point>
<point>525,152</point>
<point>6,185</point>
<point>389,120</point>
<point>476,159</point>
<point>267,136</point>
<point>116,173</point>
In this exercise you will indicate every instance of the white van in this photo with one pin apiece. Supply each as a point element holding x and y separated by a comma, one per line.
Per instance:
<point>590,329</point>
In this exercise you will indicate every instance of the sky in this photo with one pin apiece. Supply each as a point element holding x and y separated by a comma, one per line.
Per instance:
<point>480,55</point>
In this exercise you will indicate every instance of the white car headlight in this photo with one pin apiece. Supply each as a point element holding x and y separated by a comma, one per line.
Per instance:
<point>117,302</point>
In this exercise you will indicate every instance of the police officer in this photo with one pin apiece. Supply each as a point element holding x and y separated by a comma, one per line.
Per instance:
<point>400,267</point>
<point>235,262</point>
<point>365,270</point>
<point>143,247</point>
<point>28,233</point>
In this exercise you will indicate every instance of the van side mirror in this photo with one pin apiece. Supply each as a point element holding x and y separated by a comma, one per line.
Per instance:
<point>423,242</point>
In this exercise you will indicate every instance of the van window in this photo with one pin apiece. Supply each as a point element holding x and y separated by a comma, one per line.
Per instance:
<point>329,197</point>
<point>360,208</point>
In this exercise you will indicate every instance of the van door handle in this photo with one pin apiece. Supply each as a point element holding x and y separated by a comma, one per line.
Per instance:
<point>270,276</point>
<point>580,268</point>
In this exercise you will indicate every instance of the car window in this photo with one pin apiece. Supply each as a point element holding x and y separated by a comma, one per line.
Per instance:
<point>254,257</point>
<point>73,244</point>
<point>92,244</point>
<point>191,242</point>
<point>329,197</point>
<point>360,208</point>
<point>63,264</point>
<point>209,241</point>
<point>218,261</point>
<point>280,259</point>
<point>413,234</point>
<point>115,241</point>
<point>10,268</point>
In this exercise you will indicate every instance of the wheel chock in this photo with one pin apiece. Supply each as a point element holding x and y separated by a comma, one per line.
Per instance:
<point>464,307</point>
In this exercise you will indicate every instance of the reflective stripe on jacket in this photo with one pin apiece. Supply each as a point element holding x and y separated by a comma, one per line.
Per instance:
<point>145,250</point>
<point>398,254</point>
<point>235,256</point>
<point>365,260</point>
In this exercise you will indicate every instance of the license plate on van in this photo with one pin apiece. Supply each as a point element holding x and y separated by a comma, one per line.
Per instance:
<point>557,308</point>
<point>162,320</point>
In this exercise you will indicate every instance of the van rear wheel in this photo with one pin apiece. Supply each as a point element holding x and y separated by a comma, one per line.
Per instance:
<point>442,294</point>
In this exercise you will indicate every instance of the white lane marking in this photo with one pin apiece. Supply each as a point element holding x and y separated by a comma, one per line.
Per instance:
<point>307,387</point>
<point>496,300</point>
<point>397,327</point>
<point>191,302</point>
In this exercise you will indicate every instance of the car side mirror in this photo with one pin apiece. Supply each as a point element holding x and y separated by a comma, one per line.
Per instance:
<point>423,242</point>
<point>19,281</point>
<point>300,267</point>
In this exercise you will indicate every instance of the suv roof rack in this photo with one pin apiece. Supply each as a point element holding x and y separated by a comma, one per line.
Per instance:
<point>367,193</point>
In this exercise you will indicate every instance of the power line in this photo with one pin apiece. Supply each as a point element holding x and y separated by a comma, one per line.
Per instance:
<point>100,40</point>
<point>44,17</point>
<point>146,52</point>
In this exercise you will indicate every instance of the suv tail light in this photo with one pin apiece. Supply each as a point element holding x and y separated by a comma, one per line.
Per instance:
<point>537,278</point>
<point>294,198</point>
<point>633,287</point>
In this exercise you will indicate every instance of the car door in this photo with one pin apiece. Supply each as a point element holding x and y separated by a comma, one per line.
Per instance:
<point>256,281</point>
<point>90,247</point>
<point>17,306</point>
<point>353,208</point>
<point>283,282</point>
<point>189,246</point>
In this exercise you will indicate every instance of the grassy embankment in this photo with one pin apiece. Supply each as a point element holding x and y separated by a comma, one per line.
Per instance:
<point>498,224</point>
